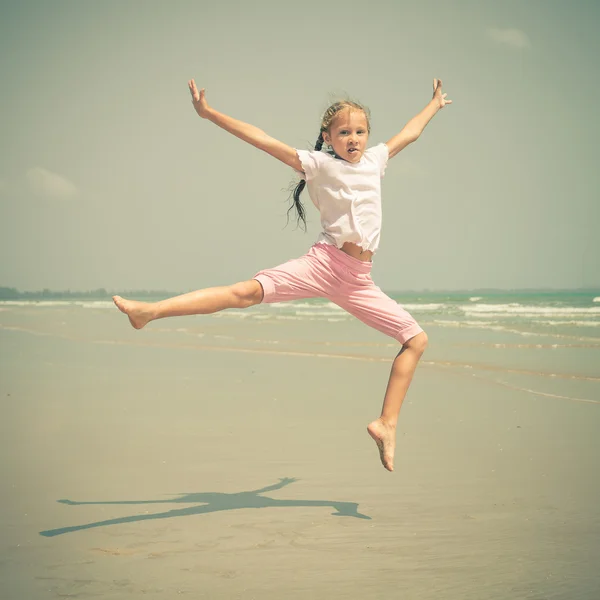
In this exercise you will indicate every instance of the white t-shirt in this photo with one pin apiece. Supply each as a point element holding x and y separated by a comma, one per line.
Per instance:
<point>348,195</point>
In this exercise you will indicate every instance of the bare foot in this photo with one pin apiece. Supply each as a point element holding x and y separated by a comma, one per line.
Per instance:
<point>139,313</point>
<point>385,438</point>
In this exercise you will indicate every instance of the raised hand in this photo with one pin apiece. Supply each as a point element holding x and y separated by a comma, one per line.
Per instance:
<point>198,99</point>
<point>437,93</point>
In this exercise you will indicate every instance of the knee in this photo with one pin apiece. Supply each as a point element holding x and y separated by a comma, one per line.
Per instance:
<point>247,293</point>
<point>418,343</point>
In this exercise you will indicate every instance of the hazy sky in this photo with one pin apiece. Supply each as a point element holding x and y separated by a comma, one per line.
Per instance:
<point>108,178</point>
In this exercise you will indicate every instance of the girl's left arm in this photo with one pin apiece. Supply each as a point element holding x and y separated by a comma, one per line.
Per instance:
<point>414,128</point>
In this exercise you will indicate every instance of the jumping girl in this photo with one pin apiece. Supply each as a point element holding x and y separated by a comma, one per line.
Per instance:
<point>345,186</point>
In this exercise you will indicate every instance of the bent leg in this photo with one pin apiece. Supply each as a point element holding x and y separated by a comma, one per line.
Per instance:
<point>371,305</point>
<point>383,429</point>
<point>401,375</point>
<point>200,302</point>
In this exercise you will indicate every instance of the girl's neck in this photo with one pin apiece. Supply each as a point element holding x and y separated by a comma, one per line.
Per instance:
<point>336,155</point>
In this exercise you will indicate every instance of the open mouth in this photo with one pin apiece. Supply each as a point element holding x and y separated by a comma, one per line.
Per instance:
<point>352,150</point>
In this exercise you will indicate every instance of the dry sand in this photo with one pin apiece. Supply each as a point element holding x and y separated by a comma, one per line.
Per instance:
<point>164,453</point>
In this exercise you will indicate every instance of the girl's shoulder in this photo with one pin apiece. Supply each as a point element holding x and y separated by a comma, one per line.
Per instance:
<point>312,162</point>
<point>379,150</point>
<point>380,155</point>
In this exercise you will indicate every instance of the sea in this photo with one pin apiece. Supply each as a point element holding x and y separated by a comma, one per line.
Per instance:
<point>545,343</point>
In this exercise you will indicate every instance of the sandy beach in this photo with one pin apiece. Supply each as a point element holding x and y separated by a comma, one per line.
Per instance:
<point>215,458</point>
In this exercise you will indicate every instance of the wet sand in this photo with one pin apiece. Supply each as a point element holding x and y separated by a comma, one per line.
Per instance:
<point>134,465</point>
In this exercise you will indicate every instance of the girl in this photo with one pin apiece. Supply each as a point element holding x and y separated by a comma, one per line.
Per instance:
<point>345,186</point>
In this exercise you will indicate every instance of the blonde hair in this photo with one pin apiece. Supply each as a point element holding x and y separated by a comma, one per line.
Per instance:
<point>330,114</point>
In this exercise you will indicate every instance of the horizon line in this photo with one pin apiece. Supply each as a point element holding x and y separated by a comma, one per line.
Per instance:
<point>101,291</point>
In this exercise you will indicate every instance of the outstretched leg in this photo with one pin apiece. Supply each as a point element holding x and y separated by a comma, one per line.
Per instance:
<point>200,302</point>
<point>383,429</point>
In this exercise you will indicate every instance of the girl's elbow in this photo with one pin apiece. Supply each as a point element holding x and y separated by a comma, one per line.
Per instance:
<point>412,137</point>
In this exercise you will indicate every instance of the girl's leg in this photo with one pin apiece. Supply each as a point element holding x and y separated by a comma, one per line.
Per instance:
<point>200,302</point>
<point>383,429</point>
<point>355,292</point>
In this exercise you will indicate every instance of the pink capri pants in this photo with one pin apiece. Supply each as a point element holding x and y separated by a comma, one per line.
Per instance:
<point>328,272</point>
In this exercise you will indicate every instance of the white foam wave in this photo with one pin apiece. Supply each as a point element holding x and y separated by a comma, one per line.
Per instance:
<point>53,303</point>
<point>334,306</point>
<point>319,304</point>
<point>317,313</point>
<point>475,299</point>
<point>451,323</point>
<point>576,323</point>
<point>47,303</point>
<point>596,299</point>
<point>35,302</point>
<point>527,311</point>
<point>97,304</point>
<point>238,314</point>
<point>422,307</point>
<point>493,326</point>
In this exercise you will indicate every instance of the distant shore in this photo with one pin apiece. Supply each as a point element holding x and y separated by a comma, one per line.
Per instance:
<point>11,293</point>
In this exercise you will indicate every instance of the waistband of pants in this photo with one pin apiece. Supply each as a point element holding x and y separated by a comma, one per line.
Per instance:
<point>355,264</point>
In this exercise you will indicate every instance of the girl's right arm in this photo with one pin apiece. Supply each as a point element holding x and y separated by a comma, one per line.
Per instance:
<point>253,135</point>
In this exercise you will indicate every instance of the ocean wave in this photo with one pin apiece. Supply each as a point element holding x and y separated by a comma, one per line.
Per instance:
<point>494,326</point>
<point>96,304</point>
<point>455,323</point>
<point>50,303</point>
<point>53,303</point>
<point>576,323</point>
<point>526,311</point>
<point>34,302</point>
<point>533,318</point>
<point>423,307</point>
<point>294,304</point>
<point>237,314</point>
<point>475,299</point>
<point>317,313</point>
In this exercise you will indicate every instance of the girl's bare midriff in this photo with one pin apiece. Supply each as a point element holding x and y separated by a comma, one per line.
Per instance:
<point>357,252</point>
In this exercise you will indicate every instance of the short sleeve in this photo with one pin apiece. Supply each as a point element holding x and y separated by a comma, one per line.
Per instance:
<point>310,160</point>
<point>381,154</point>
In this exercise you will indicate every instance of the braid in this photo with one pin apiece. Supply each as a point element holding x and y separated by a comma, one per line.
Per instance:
<point>319,143</point>
<point>297,204</point>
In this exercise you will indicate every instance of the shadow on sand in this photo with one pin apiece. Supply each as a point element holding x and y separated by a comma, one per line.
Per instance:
<point>212,502</point>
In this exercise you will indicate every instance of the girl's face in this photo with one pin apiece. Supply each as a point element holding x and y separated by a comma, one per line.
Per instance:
<point>348,134</point>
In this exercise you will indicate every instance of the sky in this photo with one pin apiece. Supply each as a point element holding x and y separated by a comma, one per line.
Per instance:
<point>108,178</point>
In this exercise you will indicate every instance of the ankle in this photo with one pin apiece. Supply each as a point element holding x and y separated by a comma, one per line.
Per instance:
<point>152,310</point>
<point>388,422</point>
